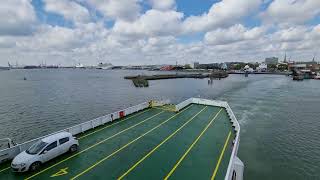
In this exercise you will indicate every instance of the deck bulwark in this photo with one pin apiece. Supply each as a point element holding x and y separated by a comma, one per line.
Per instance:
<point>195,142</point>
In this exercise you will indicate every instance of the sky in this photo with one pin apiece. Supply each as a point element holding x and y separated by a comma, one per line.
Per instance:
<point>131,32</point>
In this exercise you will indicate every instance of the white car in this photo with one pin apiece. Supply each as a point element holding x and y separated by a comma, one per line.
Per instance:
<point>43,151</point>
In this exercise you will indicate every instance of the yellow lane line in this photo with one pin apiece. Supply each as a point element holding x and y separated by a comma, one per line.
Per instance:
<point>166,109</point>
<point>220,158</point>
<point>189,149</point>
<point>154,149</point>
<point>81,137</point>
<point>131,142</point>
<point>4,169</point>
<point>92,146</point>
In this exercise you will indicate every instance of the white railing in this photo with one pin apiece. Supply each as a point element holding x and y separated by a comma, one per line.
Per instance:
<point>184,104</point>
<point>10,153</point>
<point>235,145</point>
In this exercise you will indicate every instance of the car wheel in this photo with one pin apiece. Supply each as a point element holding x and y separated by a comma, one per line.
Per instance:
<point>35,166</point>
<point>74,148</point>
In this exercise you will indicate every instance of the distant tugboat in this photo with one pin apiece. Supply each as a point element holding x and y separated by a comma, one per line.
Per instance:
<point>104,66</point>
<point>297,75</point>
<point>4,68</point>
<point>298,78</point>
<point>80,66</point>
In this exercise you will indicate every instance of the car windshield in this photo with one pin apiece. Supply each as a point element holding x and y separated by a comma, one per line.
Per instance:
<point>36,148</point>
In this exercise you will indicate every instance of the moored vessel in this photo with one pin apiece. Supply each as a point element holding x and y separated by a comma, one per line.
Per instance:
<point>104,66</point>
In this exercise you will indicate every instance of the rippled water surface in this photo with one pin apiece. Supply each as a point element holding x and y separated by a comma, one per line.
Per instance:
<point>279,118</point>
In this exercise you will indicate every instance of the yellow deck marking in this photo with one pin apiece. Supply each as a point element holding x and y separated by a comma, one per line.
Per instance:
<point>154,149</point>
<point>131,142</point>
<point>165,109</point>
<point>189,149</point>
<point>81,137</point>
<point>220,158</point>
<point>60,173</point>
<point>4,169</point>
<point>92,146</point>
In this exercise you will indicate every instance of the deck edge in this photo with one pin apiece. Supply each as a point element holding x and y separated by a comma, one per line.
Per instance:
<point>9,153</point>
<point>235,166</point>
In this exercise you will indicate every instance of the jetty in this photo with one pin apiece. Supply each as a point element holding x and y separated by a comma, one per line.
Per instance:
<point>220,74</point>
<point>269,73</point>
<point>142,80</point>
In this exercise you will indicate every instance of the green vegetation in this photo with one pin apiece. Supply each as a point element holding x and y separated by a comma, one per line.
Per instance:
<point>140,82</point>
<point>282,67</point>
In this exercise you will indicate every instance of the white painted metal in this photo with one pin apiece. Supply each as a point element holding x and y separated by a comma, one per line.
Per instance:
<point>238,168</point>
<point>10,153</point>
<point>184,104</point>
<point>6,144</point>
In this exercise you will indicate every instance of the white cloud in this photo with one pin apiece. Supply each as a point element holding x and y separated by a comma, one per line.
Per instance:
<point>68,9</point>
<point>7,42</point>
<point>162,4</point>
<point>233,34</point>
<point>92,43</point>
<point>117,9</point>
<point>154,36</point>
<point>158,45</point>
<point>52,38</point>
<point>221,14</point>
<point>61,38</point>
<point>314,34</point>
<point>289,12</point>
<point>291,34</point>
<point>152,23</point>
<point>17,17</point>
<point>56,45</point>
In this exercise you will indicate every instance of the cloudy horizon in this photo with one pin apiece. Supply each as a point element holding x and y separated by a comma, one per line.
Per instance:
<point>124,32</point>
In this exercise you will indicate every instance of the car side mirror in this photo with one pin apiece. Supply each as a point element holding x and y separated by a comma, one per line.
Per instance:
<point>44,152</point>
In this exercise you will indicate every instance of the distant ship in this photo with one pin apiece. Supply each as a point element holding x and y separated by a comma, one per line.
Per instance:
<point>104,66</point>
<point>297,75</point>
<point>4,68</point>
<point>80,66</point>
<point>52,67</point>
<point>31,67</point>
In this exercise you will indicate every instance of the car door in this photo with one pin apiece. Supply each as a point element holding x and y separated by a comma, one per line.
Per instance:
<point>64,144</point>
<point>50,152</point>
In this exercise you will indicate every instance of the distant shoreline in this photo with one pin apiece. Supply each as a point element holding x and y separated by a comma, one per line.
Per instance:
<point>271,73</point>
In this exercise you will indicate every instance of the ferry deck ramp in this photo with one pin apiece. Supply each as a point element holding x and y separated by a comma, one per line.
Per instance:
<point>155,143</point>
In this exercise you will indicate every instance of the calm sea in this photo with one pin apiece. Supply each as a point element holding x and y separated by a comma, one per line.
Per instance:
<point>279,118</point>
